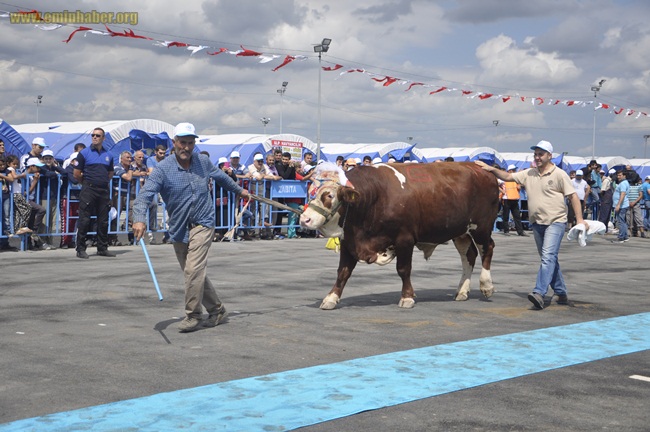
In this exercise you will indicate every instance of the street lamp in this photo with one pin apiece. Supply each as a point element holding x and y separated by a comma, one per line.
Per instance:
<point>324,46</point>
<point>496,132</point>
<point>645,148</point>
<point>281,90</point>
<point>265,121</point>
<point>595,89</point>
<point>38,101</point>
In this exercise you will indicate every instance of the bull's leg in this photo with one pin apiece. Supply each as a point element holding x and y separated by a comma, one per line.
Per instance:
<point>468,254</point>
<point>347,263</point>
<point>487,249</point>
<point>404,266</point>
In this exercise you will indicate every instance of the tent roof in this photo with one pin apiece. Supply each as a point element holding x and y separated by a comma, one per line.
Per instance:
<point>381,150</point>
<point>14,143</point>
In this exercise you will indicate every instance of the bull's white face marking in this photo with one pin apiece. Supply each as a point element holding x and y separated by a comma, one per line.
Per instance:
<point>385,257</point>
<point>400,176</point>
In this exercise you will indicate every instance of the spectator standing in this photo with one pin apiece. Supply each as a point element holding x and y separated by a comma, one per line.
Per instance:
<point>94,171</point>
<point>622,204</point>
<point>50,187</point>
<point>182,181</point>
<point>239,169</point>
<point>367,160</point>
<point>606,193</point>
<point>123,193</point>
<point>22,209</point>
<point>582,190</point>
<point>3,152</point>
<point>70,199</point>
<point>307,160</point>
<point>340,160</point>
<point>38,145</point>
<point>546,186</point>
<point>645,191</point>
<point>634,215</point>
<point>511,205</point>
<point>152,162</point>
<point>5,209</point>
<point>38,212</point>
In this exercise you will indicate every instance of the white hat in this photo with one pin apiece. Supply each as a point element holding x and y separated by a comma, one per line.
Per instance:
<point>376,160</point>
<point>40,141</point>
<point>309,168</point>
<point>611,171</point>
<point>234,154</point>
<point>358,160</point>
<point>602,172</point>
<point>544,145</point>
<point>185,129</point>
<point>48,153</point>
<point>258,156</point>
<point>34,162</point>
<point>391,160</point>
<point>511,167</point>
<point>579,173</point>
<point>647,177</point>
<point>222,160</point>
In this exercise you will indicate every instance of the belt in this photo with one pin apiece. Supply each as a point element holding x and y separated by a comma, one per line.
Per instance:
<point>193,225</point>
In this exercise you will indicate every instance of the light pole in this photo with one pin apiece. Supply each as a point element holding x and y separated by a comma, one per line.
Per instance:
<point>595,89</point>
<point>281,90</point>
<point>38,101</point>
<point>265,121</point>
<point>324,46</point>
<point>645,148</point>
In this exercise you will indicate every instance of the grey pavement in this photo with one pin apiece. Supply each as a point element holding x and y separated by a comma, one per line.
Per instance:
<point>76,333</point>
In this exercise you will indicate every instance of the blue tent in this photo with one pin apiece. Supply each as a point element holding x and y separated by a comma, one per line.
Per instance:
<point>15,144</point>
<point>400,151</point>
<point>466,154</point>
<point>141,134</point>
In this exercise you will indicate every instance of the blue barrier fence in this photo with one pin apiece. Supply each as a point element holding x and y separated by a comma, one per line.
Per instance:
<point>61,206</point>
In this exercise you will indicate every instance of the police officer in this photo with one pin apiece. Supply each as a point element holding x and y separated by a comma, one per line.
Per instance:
<point>94,172</point>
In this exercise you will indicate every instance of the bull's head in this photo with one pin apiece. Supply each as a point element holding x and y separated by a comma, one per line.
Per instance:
<point>326,196</point>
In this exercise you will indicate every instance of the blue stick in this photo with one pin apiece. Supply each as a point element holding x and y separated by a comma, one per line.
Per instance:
<point>153,275</point>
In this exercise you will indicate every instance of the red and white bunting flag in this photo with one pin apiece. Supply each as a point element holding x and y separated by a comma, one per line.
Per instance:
<point>247,53</point>
<point>569,103</point>
<point>618,111</point>
<point>484,96</point>
<point>127,33</point>
<point>467,92</point>
<point>171,44</point>
<point>413,84</point>
<point>48,27</point>
<point>196,48</point>
<point>630,112</point>
<point>438,91</point>
<point>75,31</point>
<point>288,59</point>
<point>332,68</point>
<point>602,105</point>
<point>265,58</point>
<point>505,99</point>
<point>388,80</point>
<point>219,51</point>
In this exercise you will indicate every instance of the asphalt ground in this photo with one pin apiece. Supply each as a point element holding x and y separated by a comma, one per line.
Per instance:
<point>78,333</point>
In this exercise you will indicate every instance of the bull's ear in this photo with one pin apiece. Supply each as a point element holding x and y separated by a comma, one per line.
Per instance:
<point>348,194</point>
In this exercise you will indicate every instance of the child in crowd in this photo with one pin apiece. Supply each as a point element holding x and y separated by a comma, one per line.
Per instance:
<point>22,209</point>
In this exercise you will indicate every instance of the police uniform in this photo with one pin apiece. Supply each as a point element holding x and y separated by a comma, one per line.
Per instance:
<point>95,195</point>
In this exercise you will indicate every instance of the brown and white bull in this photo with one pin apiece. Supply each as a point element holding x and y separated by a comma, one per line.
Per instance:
<point>383,211</point>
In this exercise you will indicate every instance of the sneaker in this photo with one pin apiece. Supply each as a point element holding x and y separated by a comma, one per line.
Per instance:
<point>82,254</point>
<point>562,299</point>
<point>523,234</point>
<point>215,318</point>
<point>106,253</point>
<point>189,324</point>
<point>46,246</point>
<point>537,300</point>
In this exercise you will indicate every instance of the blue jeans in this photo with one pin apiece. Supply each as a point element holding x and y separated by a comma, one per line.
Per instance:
<point>621,224</point>
<point>548,239</point>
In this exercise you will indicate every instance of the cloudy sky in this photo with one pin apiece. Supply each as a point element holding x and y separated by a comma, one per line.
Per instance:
<point>551,49</point>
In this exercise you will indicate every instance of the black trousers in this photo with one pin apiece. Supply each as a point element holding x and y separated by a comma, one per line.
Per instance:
<point>606,207</point>
<point>512,206</point>
<point>96,201</point>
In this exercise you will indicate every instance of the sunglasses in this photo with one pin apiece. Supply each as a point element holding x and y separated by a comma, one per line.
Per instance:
<point>96,135</point>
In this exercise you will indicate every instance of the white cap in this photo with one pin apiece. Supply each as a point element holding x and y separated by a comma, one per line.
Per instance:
<point>235,154</point>
<point>647,177</point>
<point>40,141</point>
<point>391,160</point>
<point>511,167</point>
<point>34,162</point>
<point>358,160</point>
<point>602,172</point>
<point>222,160</point>
<point>414,161</point>
<point>543,145</point>
<point>185,129</point>
<point>309,168</point>
<point>376,160</point>
<point>258,156</point>
<point>48,153</point>
<point>579,173</point>
<point>611,171</point>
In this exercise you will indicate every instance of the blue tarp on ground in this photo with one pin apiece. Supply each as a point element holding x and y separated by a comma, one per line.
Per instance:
<point>15,144</point>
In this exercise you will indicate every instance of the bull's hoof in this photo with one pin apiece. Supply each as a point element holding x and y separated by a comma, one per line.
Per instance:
<point>329,302</point>
<point>461,296</point>
<point>487,292</point>
<point>406,303</point>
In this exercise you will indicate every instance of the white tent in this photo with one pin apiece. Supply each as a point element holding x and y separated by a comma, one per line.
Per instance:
<point>120,134</point>
<point>398,150</point>
<point>249,144</point>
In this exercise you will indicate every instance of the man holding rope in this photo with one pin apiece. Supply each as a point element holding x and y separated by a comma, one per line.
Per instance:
<point>182,181</point>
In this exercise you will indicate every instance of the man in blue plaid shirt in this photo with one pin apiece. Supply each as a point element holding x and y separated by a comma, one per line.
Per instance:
<point>182,181</point>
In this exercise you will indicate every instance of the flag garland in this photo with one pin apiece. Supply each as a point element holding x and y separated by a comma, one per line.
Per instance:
<point>384,80</point>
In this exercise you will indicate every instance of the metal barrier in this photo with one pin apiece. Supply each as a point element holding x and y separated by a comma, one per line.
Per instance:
<point>62,207</point>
